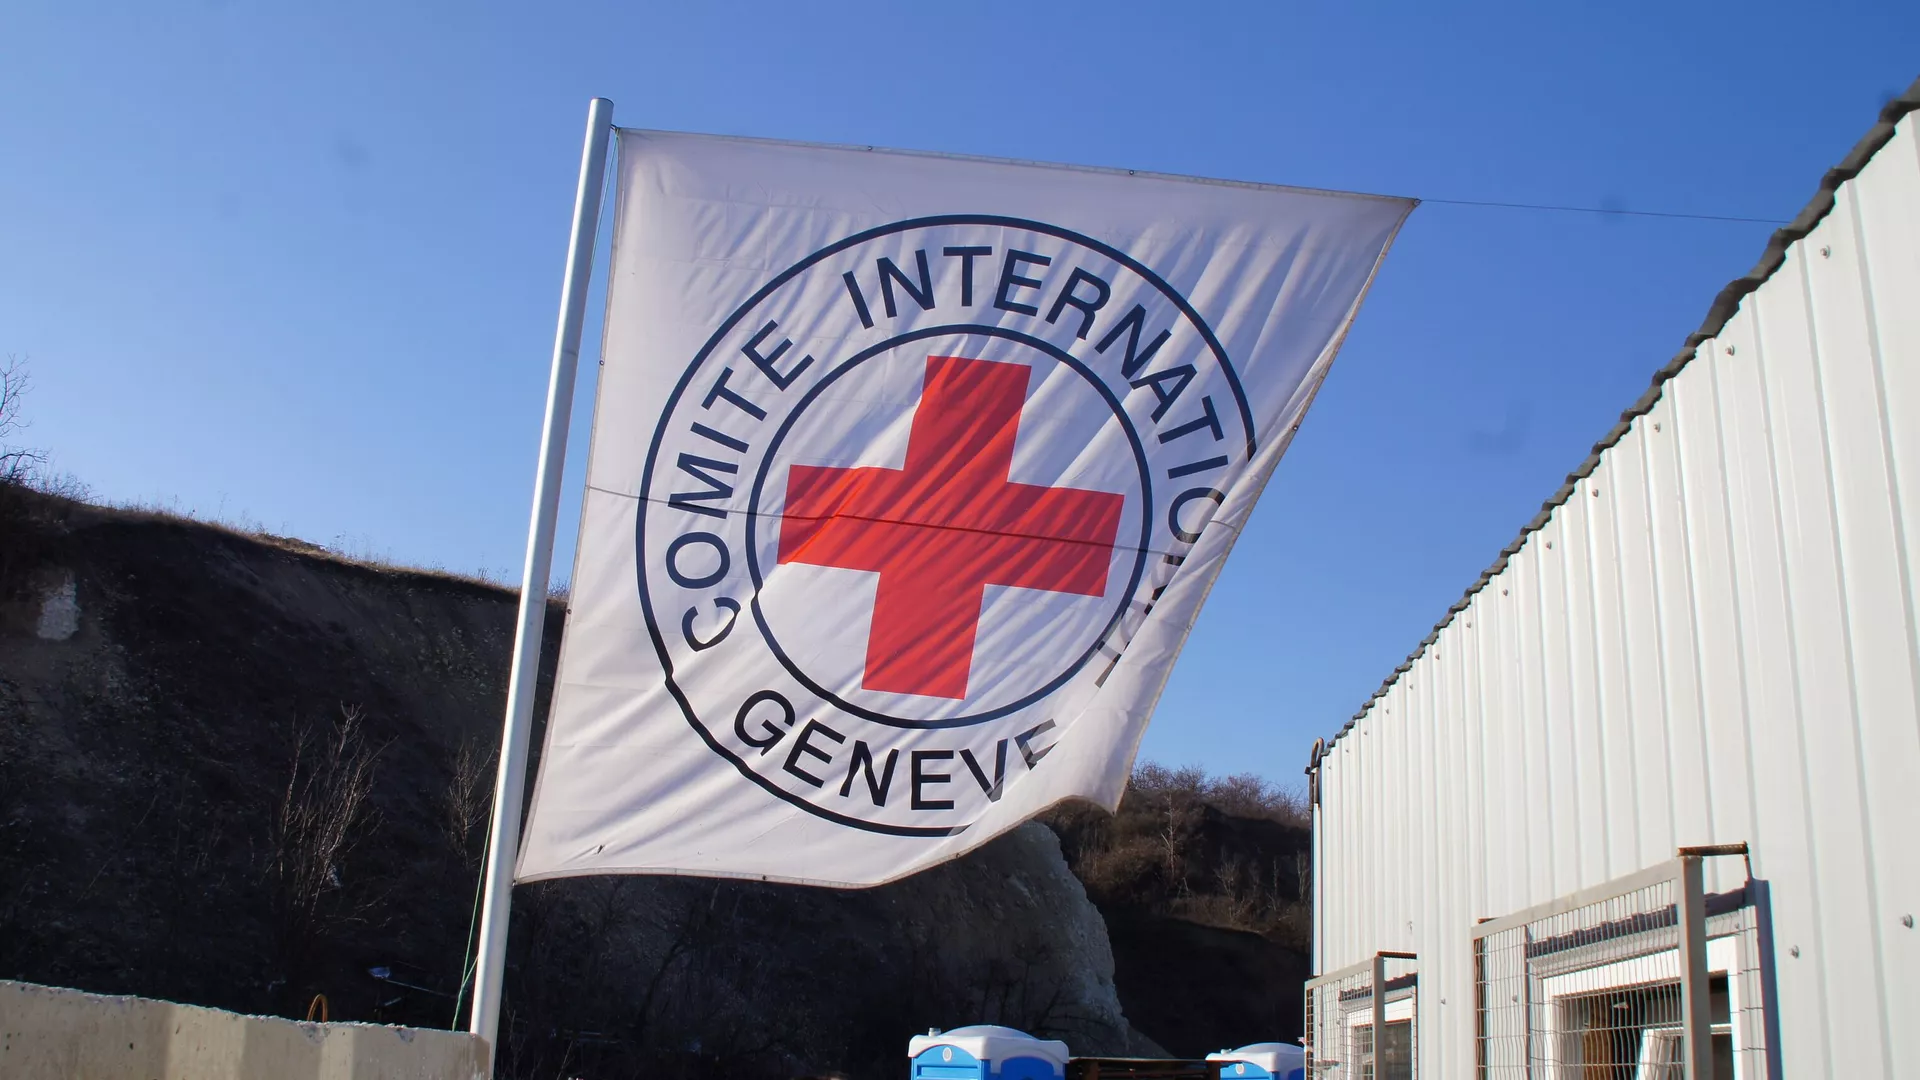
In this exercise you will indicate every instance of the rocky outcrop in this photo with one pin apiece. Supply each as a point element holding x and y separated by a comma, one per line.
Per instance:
<point>174,694</point>
<point>755,973</point>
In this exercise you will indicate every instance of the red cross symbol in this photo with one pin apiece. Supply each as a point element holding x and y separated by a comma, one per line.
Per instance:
<point>946,526</point>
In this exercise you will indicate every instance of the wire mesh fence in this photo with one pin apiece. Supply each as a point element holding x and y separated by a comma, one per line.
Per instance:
<point>1596,990</point>
<point>1734,963</point>
<point>1362,1021</point>
<point>1333,1052</point>
<point>1579,993</point>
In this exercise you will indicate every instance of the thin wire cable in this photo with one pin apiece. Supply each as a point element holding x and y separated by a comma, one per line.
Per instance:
<point>1604,210</point>
<point>467,962</point>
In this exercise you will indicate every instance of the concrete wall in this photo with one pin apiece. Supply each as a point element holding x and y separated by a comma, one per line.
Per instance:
<point>53,1034</point>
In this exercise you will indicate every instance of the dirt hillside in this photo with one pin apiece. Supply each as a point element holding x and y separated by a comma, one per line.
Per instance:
<point>239,771</point>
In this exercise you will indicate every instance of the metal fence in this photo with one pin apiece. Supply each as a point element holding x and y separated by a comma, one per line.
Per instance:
<point>1362,1021</point>
<point>1644,978</point>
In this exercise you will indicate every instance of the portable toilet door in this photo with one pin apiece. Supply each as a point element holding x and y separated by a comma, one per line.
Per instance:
<point>1262,1061</point>
<point>985,1052</point>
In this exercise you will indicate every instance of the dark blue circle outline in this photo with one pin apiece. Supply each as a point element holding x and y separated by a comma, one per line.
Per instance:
<point>725,328</point>
<point>1120,607</point>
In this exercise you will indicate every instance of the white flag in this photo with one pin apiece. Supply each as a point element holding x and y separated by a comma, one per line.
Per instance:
<point>909,476</point>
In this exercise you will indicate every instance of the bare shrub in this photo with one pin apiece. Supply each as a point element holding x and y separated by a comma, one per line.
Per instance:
<point>466,802</point>
<point>1225,851</point>
<point>1109,871</point>
<point>18,464</point>
<point>324,813</point>
<point>1242,794</point>
<point>60,485</point>
<point>1174,815</point>
<point>26,521</point>
<point>1155,782</point>
<point>1248,795</point>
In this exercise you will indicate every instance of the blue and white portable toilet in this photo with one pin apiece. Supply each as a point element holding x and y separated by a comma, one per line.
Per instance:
<point>1262,1061</point>
<point>986,1052</point>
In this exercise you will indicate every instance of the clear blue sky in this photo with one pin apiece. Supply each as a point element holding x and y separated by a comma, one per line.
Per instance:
<point>299,267</point>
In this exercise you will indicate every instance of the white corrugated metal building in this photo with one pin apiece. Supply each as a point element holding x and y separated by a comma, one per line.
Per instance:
<point>1707,637</point>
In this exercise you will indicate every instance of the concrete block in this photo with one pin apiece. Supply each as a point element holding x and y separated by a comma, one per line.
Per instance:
<point>47,1033</point>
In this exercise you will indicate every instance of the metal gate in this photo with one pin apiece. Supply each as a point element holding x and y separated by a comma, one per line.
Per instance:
<point>1643,978</point>
<point>1362,1021</point>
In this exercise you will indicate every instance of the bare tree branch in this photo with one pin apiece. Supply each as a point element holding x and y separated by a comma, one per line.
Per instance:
<point>467,801</point>
<point>18,464</point>
<point>323,815</point>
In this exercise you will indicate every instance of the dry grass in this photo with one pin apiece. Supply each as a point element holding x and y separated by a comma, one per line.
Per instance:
<point>356,551</point>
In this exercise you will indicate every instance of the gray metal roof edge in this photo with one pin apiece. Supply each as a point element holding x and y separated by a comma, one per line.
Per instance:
<point>1722,309</point>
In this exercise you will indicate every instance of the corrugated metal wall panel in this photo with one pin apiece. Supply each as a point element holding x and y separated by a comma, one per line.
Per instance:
<point>1774,736</point>
<point>1394,752</point>
<point>1713,638</point>
<point>1865,527</point>
<point>1544,817</point>
<point>1712,611</point>
<point>1602,577</point>
<point>1887,241</point>
<point>1818,654</point>
<point>1428,696</point>
<point>1679,701</point>
<point>1557,713</point>
<point>1494,737</point>
<point>1640,610</point>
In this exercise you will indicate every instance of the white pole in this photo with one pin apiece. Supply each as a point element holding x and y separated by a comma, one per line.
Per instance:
<point>509,788</point>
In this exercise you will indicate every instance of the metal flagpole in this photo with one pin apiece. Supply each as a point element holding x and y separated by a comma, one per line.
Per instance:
<point>504,839</point>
